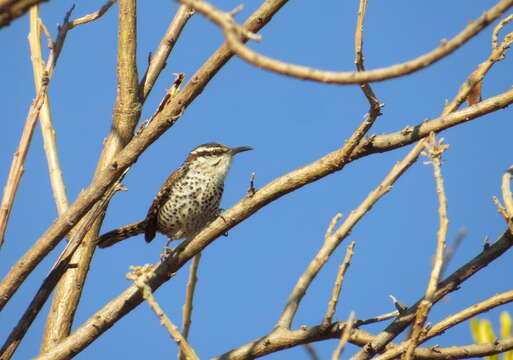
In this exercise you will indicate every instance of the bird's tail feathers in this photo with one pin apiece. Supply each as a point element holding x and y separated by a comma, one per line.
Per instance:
<point>120,234</point>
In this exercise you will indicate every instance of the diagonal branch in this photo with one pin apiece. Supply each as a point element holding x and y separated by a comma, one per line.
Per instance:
<point>158,60</point>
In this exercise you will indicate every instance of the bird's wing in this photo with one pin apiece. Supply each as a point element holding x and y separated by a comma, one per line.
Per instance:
<point>159,200</point>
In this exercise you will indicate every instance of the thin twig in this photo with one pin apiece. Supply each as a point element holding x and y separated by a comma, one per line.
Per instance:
<point>45,118</point>
<point>506,192</point>
<point>374,104</point>
<point>375,319</point>
<point>451,250</point>
<point>332,304</point>
<point>189,299</point>
<point>158,60</point>
<point>344,337</point>
<point>435,150</point>
<point>311,352</point>
<point>497,28</point>
<point>233,34</point>
<point>171,328</point>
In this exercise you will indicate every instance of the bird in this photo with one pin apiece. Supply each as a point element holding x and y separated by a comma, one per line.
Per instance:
<point>187,201</point>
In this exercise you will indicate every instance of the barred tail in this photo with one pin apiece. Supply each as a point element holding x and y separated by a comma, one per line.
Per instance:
<point>122,233</point>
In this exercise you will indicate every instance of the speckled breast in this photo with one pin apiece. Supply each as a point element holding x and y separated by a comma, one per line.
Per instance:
<point>193,203</point>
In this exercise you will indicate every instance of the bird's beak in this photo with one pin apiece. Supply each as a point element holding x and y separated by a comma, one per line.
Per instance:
<point>240,149</point>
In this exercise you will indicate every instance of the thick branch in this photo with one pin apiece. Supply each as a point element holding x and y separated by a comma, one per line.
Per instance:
<point>126,115</point>
<point>12,9</point>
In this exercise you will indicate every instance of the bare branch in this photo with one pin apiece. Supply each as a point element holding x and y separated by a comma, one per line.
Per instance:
<point>12,9</point>
<point>233,34</point>
<point>506,192</point>
<point>496,29</point>
<point>311,352</point>
<point>126,115</point>
<point>189,298</point>
<point>434,151</point>
<point>344,338</point>
<point>332,304</point>
<point>138,276</point>
<point>158,61</point>
<point>374,104</point>
<point>45,118</point>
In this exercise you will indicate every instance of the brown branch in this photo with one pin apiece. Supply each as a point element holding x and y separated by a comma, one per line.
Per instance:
<point>233,33</point>
<point>158,61</point>
<point>506,192</point>
<point>344,338</point>
<point>17,168</point>
<point>125,117</point>
<point>189,299</point>
<point>13,9</point>
<point>138,276</point>
<point>310,350</point>
<point>496,29</point>
<point>59,268</point>
<point>374,104</point>
<point>45,118</point>
<point>434,151</point>
<point>332,304</point>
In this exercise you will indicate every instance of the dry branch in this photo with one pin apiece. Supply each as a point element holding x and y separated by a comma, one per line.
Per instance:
<point>189,299</point>
<point>138,276</point>
<point>344,338</point>
<point>232,33</point>
<point>126,114</point>
<point>332,304</point>
<point>12,9</point>
<point>434,151</point>
<point>158,60</point>
<point>45,118</point>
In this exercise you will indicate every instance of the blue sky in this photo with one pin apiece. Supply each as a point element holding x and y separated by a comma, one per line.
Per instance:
<point>245,278</point>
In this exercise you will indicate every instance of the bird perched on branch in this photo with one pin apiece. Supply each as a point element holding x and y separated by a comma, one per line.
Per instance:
<point>187,201</point>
